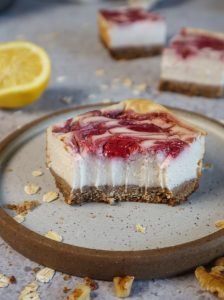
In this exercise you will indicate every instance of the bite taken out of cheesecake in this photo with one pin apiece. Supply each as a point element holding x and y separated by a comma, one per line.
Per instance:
<point>136,150</point>
<point>193,63</point>
<point>131,32</point>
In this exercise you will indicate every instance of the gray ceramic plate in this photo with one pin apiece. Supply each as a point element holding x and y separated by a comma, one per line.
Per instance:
<point>185,230</point>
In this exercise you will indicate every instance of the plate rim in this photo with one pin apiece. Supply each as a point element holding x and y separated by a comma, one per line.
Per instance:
<point>98,263</point>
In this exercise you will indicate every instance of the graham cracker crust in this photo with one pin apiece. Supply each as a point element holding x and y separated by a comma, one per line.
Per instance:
<point>191,89</point>
<point>132,193</point>
<point>132,52</point>
<point>135,52</point>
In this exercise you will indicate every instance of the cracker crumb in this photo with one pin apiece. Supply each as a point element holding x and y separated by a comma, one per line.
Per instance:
<point>12,279</point>
<point>45,275</point>
<point>91,283</point>
<point>111,200</point>
<point>139,3</point>
<point>127,82</point>
<point>66,290</point>
<point>23,207</point>
<point>141,87</point>
<point>207,166</point>
<point>37,173</point>
<point>36,269</point>
<point>100,72</point>
<point>50,196</point>
<point>61,79</point>
<point>53,236</point>
<point>67,277</point>
<point>19,218</point>
<point>30,292</point>
<point>123,285</point>
<point>67,99</point>
<point>219,224</point>
<point>31,189</point>
<point>4,281</point>
<point>139,228</point>
<point>81,292</point>
<point>135,92</point>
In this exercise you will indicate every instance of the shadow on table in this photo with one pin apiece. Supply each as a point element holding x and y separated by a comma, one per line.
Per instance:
<point>23,7</point>
<point>58,98</point>
<point>163,4</point>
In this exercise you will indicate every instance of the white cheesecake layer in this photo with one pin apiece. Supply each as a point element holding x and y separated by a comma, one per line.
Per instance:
<point>203,68</point>
<point>187,165</point>
<point>138,34</point>
<point>144,170</point>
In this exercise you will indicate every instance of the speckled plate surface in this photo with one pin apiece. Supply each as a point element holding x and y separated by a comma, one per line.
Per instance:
<point>100,240</point>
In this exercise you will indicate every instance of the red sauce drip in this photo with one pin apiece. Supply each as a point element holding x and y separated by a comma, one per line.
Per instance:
<point>190,45</point>
<point>128,16</point>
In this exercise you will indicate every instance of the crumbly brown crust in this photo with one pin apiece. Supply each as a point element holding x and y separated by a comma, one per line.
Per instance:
<point>23,207</point>
<point>132,193</point>
<point>191,89</point>
<point>133,52</point>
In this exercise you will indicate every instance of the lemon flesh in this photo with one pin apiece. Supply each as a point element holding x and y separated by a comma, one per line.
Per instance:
<point>24,73</point>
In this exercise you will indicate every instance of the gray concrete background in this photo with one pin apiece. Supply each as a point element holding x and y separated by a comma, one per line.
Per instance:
<point>67,30</point>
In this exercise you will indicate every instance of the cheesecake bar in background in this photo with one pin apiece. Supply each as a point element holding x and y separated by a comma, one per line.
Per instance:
<point>131,32</point>
<point>193,64</point>
<point>136,150</point>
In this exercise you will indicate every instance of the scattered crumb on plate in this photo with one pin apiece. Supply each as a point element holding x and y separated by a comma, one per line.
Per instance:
<point>31,189</point>
<point>67,277</point>
<point>37,173</point>
<point>219,224</point>
<point>141,87</point>
<point>127,82</point>
<point>50,196</point>
<point>45,275</point>
<point>53,236</point>
<point>66,290</point>
<point>67,99</point>
<point>91,283</point>
<point>20,218</point>
<point>100,72</point>
<point>140,228</point>
<point>24,207</point>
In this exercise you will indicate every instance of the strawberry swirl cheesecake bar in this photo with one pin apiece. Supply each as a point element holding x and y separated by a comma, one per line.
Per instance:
<point>193,63</point>
<point>131,32</point>
<point>136,150</point>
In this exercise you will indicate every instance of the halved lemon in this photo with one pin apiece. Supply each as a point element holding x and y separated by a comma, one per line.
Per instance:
<point>25,71</point>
